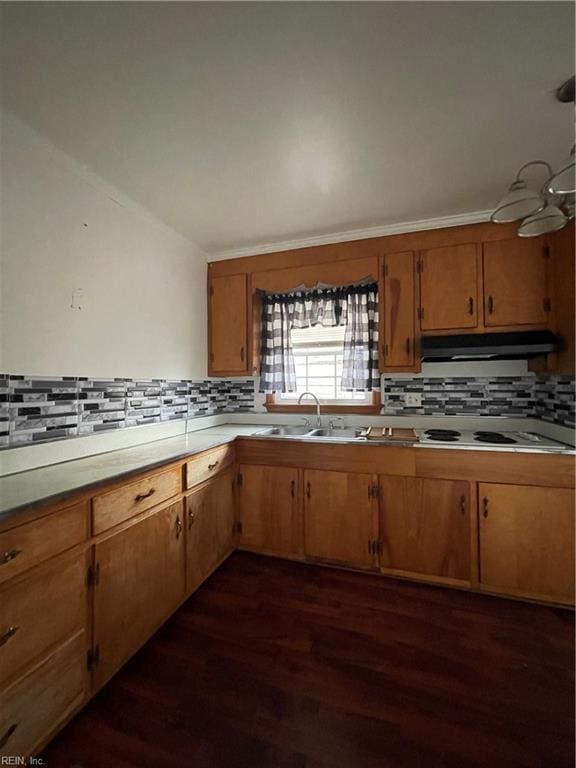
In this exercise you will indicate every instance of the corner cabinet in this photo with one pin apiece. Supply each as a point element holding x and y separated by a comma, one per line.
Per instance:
<point>527,541</point>
<point>228,326</point>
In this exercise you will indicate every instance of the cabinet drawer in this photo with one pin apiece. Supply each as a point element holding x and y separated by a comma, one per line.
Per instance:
<point>36,704</point>
<point>30,544</point>
<point>110,509</point>
<point>207,465</point>
<point>40,612</point>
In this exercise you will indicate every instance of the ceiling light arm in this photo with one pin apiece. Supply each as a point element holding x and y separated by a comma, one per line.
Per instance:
<point>534,162</point>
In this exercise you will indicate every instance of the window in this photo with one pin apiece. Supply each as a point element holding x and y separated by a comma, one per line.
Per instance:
<point>318,354</point>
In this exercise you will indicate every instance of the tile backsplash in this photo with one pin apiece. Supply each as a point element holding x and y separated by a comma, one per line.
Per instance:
<point>547,397</point>
<point>39,409</point>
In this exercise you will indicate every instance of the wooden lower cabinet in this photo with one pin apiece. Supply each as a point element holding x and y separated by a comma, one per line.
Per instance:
<point>268,510</point>
<point>425,527</point>
<point>33,707</point>
<point>210,528</point>
<point>140,581</point>
<point>526,541</point>
<point>40,611</point>
<point>341,517</point>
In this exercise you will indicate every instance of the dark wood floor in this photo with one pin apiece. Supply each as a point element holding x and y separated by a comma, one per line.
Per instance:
<point>279,665</point>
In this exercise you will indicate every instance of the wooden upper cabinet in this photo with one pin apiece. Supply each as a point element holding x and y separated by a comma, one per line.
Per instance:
<point>396,315</point>
<point>341,517</point>
<point>426,527</point>
<point>269,509</point>
<point>515,283</point>
<point>228,325</point>
<point>210,527</point>
<point>140,582</point>
<point>527,541</point>
<point>449,279</point>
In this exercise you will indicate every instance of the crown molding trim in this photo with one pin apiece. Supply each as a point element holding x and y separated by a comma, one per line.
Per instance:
<point>458,220</point>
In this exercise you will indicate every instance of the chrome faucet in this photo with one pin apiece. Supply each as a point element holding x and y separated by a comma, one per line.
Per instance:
<point>312,395</point>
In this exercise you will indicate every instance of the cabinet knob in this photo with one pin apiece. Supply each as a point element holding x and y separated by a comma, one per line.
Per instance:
<point>470,306</point>
<point>293,488</point>
<point>7,733</point>
<point>308,490</point>
<point>490,305</point>
<point>463,504</point>
<point>179,527</point>
<point>6,557</point>
<point>10,632</point>
<point>191,519</point>
<point>485,506</point>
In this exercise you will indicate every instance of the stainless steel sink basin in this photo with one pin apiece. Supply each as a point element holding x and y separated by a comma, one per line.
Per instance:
<point>286,431</point>
<point>338,433</point>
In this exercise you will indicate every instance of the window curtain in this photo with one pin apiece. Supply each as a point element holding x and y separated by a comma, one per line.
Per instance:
<point>355,307</point>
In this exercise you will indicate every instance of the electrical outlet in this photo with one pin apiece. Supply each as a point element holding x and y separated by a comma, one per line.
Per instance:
<point>413,399</point>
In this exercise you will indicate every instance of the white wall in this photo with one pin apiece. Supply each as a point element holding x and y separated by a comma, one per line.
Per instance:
<point>143,285</point>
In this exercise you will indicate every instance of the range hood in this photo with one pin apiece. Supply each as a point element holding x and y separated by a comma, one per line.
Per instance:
<point>521,345</point>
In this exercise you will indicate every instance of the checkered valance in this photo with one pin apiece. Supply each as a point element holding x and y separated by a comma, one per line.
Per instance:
<point>355,307</point>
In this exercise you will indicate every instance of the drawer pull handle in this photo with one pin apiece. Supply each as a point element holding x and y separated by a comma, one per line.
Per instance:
<point>490,305</point>
<point>407,346</point>
<point>4,740</point>
<point>10,632</point>
<point>485,506</point>
<point>213,466</point>
<point>190,520</point>
<point>179,527</point>
<point>293,488</point>
<point>470,306</point>
<point>308,490</point>
<point>142,496</point>
<point>8,556</point>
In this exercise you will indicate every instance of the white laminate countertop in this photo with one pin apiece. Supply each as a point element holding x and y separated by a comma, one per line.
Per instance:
<point>23,490</point>
<point>38,486</point>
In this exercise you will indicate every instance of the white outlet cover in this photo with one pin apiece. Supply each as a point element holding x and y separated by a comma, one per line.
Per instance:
<point>413,399</point>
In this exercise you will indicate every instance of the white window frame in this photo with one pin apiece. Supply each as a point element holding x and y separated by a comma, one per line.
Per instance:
<point>330,348</point>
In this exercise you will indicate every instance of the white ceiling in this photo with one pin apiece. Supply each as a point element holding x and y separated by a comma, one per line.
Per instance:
<point>244,123</point>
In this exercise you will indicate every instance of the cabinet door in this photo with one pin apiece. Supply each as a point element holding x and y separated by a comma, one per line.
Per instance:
<point>340,517</point>
<point>228,325</point>
<point>41,611</point>
<point>426,527</point>
<point>269,509</point>
<point>515,283</point>
<point>42,700</point>
<point>210,528</point>
<point>140,583</point>
<point>397,311</point>
<point>527,540</point>
<point>449,288</point>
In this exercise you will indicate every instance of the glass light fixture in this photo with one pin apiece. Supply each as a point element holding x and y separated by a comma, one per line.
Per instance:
<point>549,219</point>
<point>563,181</point>
<point>520,200</point>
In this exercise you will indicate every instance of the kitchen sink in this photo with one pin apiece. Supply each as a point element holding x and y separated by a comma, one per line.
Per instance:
<point>338,433</point>
<point>286,431</point>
